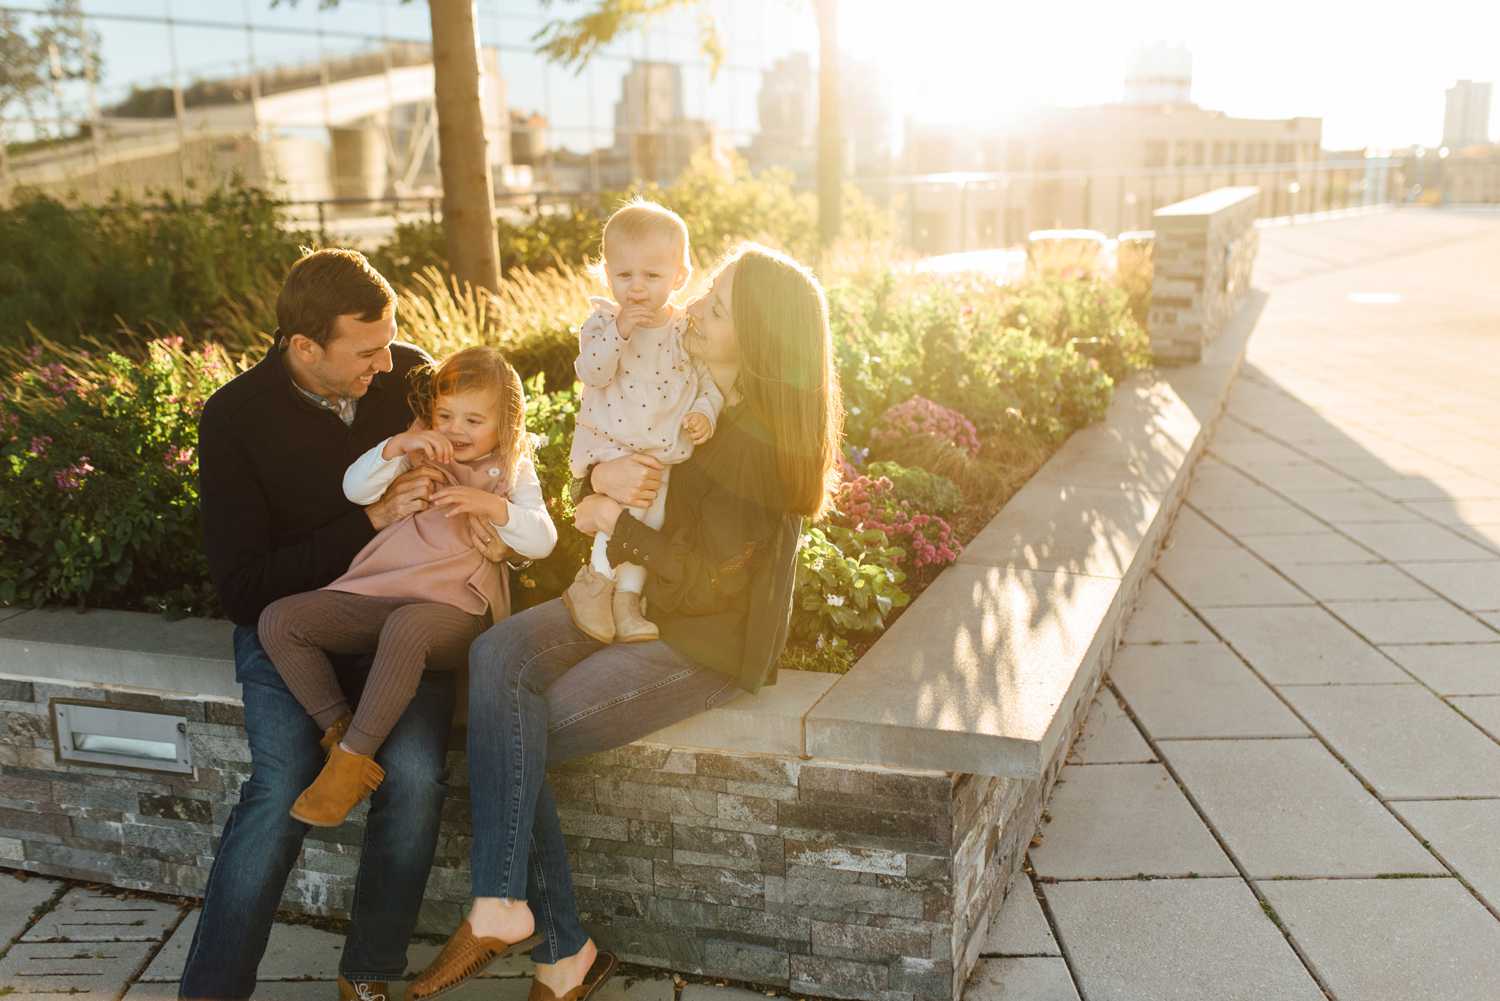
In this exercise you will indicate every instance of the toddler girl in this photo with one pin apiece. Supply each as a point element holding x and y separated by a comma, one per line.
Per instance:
<point>641,393</point>
<point>418,593</point>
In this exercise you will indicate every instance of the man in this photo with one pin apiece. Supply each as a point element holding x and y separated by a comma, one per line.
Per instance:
<point>273,446</point>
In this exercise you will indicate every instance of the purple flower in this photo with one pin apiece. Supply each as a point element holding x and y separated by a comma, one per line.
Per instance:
<point>39,443</point>
<point>72,478</point>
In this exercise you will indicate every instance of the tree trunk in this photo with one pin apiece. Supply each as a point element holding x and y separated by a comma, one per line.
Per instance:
<point>830,130</point>
<point>468,189</point>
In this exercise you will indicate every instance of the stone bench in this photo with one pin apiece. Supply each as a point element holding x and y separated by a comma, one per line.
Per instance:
<point>848,836</point>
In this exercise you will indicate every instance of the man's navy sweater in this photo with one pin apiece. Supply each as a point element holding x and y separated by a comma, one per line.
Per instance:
<point>271,469</point>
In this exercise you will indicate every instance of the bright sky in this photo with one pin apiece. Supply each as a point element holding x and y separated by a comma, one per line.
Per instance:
<point>1375,74</point>
<point>1377,78</point>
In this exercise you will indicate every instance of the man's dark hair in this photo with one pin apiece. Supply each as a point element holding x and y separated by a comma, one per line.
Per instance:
<point>324,285</point>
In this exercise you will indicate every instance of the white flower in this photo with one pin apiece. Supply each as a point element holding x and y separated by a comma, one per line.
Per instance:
<point>836,600</point>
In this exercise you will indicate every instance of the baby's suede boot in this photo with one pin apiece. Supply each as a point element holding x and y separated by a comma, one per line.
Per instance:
<point>588,601</point>
<point>630,625</point>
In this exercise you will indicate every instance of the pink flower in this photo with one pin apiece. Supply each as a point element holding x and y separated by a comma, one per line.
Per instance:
<point>39,443</point>
<point>178,459</point>
<point>72,478</point>
<point>919,417</point>
<point>57,378</point>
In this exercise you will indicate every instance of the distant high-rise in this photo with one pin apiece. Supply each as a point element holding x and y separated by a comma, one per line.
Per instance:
<point>1467,119</point>
<point>1160,74</point>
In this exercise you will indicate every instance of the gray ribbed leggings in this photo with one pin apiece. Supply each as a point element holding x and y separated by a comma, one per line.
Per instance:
<point>406,636</point>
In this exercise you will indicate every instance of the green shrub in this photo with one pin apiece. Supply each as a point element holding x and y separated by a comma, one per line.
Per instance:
<point>549,419</point>
<point>847,583</point>
<point>73,273</point>
<point>922,490</point>
<point>100,505</point>
<point>1094,316</point>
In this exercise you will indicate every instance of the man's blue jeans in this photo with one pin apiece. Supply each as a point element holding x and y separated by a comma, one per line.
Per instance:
<point>261,841</point>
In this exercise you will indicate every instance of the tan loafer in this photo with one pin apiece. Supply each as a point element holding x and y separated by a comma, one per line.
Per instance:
<point>363,990</point>
<point>464,956</point>
<point>604,967</point>
<point>630,625</point>
<point>588,600</point>
<point>346,779</point>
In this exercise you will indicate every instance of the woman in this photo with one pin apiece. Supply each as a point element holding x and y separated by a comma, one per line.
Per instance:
<point>719,587</point>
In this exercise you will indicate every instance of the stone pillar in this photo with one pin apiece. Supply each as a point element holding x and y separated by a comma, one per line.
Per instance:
<point>1204,253</point>
<point>359,163</point>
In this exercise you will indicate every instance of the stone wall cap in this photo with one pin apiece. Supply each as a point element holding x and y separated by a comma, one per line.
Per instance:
<point>1207,204</point>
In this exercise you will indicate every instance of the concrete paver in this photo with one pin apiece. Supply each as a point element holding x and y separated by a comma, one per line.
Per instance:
<point>1210,578</point>
<point>1401,543</point>
<point>1392,939</point>
<point>1368,582</point>
<point>1466,834</point>
<point>1283,520</point>
<point>1021,929</point>
<point>1482,709</point>
<point>1191,530</point>
<point>1412,622</point>
<point>1475,586</point>
<point>1302,646</point>
<point>1175,940</point>
<point>1109,736</point>
<point>1122,821</point>
<point>1352,507</point>
<point>61,967</point>
<point>1324,547</point>
<point>1199,691</point>
<point>1288,808</point>
<point>88,916</point>
<point>1035,978</point>
<point>19,898</point>
<point>1452,668</point>
<point>1159,617</point>
<point>1402,739</point>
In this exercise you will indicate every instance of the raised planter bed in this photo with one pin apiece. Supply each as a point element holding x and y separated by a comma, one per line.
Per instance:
<point>839,835</point>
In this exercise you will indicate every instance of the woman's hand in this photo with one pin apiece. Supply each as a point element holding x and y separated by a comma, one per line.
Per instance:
<point>633,480</point>
<point>430,444</point>
<point>596,513</point>
<point>484,540</point>
<point>471,500</point>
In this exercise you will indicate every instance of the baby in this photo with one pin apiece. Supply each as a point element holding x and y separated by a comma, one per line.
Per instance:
<point>641,393</point>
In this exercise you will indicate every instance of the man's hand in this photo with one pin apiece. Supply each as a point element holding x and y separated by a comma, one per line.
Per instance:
<point>483,538</point>
<point>635,317</point>
<point>407,495</point>
<point>596,513</point>
<point>697,427</point>
<point>633,480</point>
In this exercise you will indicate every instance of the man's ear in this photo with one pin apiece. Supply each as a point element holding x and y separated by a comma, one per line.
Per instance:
<point>306,348</point>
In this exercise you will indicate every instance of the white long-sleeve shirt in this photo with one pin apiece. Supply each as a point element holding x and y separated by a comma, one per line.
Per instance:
<point>529,532</point>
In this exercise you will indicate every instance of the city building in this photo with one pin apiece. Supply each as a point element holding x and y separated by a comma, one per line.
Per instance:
<point>1466,119</point>
<point>1106,167</point>
<point>1471,176</point>
<point>788,111</point>
<point>1160,74</point>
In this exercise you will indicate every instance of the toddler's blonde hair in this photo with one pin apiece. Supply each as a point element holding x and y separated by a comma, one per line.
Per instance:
<point>640,218</point>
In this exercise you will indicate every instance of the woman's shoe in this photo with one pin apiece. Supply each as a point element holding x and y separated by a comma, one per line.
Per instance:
<point>346,779</point>
<point>335,733</point>
<point>363,990</point>
<point>588,600</point>
<point>463,957</point>
<point>630,625</point>
<point>604,967</point>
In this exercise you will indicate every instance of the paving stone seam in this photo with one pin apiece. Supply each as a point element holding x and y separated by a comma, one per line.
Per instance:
<point>1243,468</point>
<point>1052,923</point>
<point>1319,603</point>
<point>182,915</point>
<point>1327,746</point>
<point>37,914</point>
<point>1244,877</point>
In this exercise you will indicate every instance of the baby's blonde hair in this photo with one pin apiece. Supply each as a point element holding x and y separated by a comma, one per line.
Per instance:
<point>639,218</point>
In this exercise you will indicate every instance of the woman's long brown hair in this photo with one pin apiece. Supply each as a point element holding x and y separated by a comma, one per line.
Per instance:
<point>787,375</point>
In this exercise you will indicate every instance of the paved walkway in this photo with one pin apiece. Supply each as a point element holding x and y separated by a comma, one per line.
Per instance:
<point>1290,787</point>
